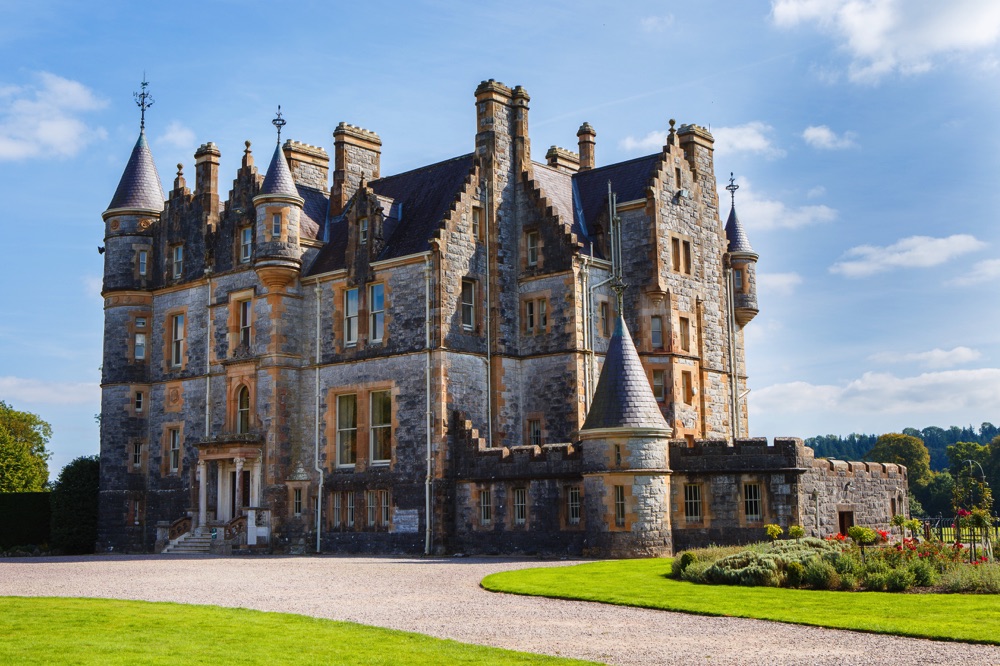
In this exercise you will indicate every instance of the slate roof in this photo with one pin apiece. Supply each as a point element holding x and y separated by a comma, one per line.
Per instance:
<point>279,178</point>
<point>421,199</point>
<point>314,209</point>
<point>557,186</point>
<point>738,241</point>
<point>628,180</point>
<point>623,398</point>
<point>140,184</point>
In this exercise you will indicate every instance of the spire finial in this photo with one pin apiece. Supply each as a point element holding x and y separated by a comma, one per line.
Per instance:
<point>144,100</point>
<point>732,187</point>
<point>279,122</point>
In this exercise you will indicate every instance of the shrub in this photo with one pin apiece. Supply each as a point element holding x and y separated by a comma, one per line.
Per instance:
<point>899,580</point>
<point>982,578</point>
<point>773,531</point>
<point>74,506</point>
<point>924,574</point>
<point>793,574</point>
<point>848,582</point>
<point>747,568</point>
<point>821,575</point>
<point>696,572</point>
<point>796,532</point>
<point>875,576</point>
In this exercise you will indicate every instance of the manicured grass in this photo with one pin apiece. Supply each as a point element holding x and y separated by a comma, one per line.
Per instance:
<point>954,617</point>
<point>98,631</point>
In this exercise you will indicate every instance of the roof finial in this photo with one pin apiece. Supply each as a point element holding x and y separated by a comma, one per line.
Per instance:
<point>279,122</point>
<point>732,187</point>
<point>144,100</point>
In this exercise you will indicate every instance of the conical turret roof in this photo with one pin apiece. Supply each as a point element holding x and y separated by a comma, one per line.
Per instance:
<point>737,237</point>
<point>623,398</point>
<point>278,180</point>
<point>139,187</point>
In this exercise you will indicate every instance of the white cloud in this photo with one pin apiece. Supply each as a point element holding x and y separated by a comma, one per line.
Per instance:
<point>177,135</point>
<point>815,192</point>
<point>656,23</point>
<point>43,119</point>
<point>651,142</point>
<point>983,271</point>
<point>18,390</point>
<point>911,252</point>
<point>782,284</point>
<point>882,393</point>
<point>822,137</point>
<point>92,286</point>
<point>762,214</point>
<point>752,137</point>
<point>887,36</point>
<point>934,359</point>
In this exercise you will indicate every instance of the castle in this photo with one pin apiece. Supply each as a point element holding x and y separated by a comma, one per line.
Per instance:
<point>484,355</point>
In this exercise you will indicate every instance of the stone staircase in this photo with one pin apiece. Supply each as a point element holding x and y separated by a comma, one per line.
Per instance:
<point>189,543</point>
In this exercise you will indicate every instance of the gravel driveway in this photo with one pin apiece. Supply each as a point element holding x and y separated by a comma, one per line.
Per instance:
<point>443,598</point>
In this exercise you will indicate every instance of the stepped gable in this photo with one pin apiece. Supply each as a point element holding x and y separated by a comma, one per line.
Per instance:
<point>278,180</point>
<point>139,187</point>
<point>557,188</point>
<point>623,398</point>
<point>421,197</point>
<point>737,237</point>
<point>629,180</point>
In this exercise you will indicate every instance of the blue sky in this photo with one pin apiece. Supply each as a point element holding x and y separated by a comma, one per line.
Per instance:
<point>864,138</point>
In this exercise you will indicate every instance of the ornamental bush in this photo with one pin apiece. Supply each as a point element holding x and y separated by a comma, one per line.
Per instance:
<point>981,578</point>
<point>820,574</point>
<point>796,532</point>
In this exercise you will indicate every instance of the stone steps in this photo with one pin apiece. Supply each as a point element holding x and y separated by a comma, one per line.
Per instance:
<point>189,543</point>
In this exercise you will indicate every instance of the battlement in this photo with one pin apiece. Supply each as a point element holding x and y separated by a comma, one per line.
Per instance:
<point>493,86</point>
<point>563,159</point>
<point>744,455</point>
<point>305,148</point>
<point>849,469</point>
<point>346,131</point>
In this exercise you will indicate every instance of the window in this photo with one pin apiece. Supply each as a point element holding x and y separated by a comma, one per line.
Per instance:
<point>485,507</point>
<point>686,250</point>
<point>351,317</point>
<point>477,221</point>
<point>692,502</point>
<point>347,429</point>
<point>338,507</point>
<point>349,503</point>
<point>178,260</point>
<point>529,316</point>
<point>297,502</point>
<point>363,230</point>
<point>680,255</point>
<point>573,505</point>
<point>177,340</point>
<point>140,346</point>
<point>246,244</point>
<point>618,455</point>
<point>376,304</point>
<point>543,315</point>
<point>275,225</point>
<point>136,455</point>
<point>468,304</point>
<point>520,506</point>
<point>243,411</point>
<point>605,311</point>
<point>370,504</point>
<point>685,333</point>
<point>659,388</point>
<point>687,387</point>
<point>656,332</point>
<point>535,432</point>
<point>383,502</point>
<point>143,258</point>
<point>175,450</point>
<point>531,240</point>
<point>677,177</point>
<point>246,320</point>
<point>751,502</point>
<point>381,426</point>
<point>619,506</point>
<point>138,402</point>
<point>738,279</point>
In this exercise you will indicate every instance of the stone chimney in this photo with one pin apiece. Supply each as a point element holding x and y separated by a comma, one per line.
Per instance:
<point>310,165</point>
<point>564,160</point>
<point>357,154</point>
<point>522,142</point>
<point>587,137</point>
<point>206,181</point>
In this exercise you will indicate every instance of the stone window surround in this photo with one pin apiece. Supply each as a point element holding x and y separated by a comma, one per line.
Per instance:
<point>519,507</point>
<point>681,254</point>
<point>234,318</point>
<point>177,261</point>
<point>533,418</point>
<point>625,483</point>
<point>373,313</point>
<point>476,224</point>
<point>532,248</point>
<point>694,503</point>
<point>538,304</point>
<point>572,507</point>
<point>165,444</point>
<point>483,501</point>
<point>269,213</point>
<point>685,331</point>
<point>133,390</point>
<point>662,384</point>
<point>244,250</point>
<point>362,393</point>
<point>343,510</point>
<point>753,494</point>
<point>168,359</point>
<point>470,288</point>
<point>132,330</point>
<point>130,451</point>
<point>656,330</point>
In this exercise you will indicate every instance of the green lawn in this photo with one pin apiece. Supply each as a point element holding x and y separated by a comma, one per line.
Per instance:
<point>954,617</point>
<point>98,631</point>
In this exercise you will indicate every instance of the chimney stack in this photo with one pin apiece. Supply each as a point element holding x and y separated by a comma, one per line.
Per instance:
<point>587,137</point>
<point>357,155</point>
<point>310,165</point>
<point>564,160</point>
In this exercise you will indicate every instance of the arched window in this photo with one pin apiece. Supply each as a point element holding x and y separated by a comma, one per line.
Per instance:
<point>243,411</point>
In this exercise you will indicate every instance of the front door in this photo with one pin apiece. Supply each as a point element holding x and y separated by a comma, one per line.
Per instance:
<point>846,521</point>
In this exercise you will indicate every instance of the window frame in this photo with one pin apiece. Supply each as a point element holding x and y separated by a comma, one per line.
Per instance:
<point>376,315</point>
<point>753,496</point>
<point>174,450</point>
<point>246,244</point>
<point>177,340</point>
<point>485,507</point>
<point>345,432</point>
<point>519,505</point>
<point>243,411</point>
<point>738,280</point>
<point>384,507</point>
<point>535,437</point>
<point>376,430</point>
<point>656,332</point>
<point>337,510</point>
<point>143,262</point>
<point>619,500</point>
<point>137,455</point>
<point>245,310</point>
<point>371,509</point>
<point>349,509</point>
<point>573,505</point>
<point>604,318</point>
<point>529,316</point>
<point>363,230</point>
<point>687,386</point>
<point>531,242</point>
<point>351,297</point>
<point>177,261</point>
<point>297,501</point>
<point>139,347</point>
<point>477,221</point>
<point>137,402</point>
<point>659,387</point>
<point>468,306</point>
<point>693,503</point>
<point>685,333</point>
<point>276,225</point>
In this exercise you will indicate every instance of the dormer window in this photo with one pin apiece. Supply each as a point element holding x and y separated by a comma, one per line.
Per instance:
<point>363,230</point>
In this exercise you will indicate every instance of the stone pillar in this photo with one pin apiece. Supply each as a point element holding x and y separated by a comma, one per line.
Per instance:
<point>239,485</point>
<point>219,498</point>
<point>202,493</point>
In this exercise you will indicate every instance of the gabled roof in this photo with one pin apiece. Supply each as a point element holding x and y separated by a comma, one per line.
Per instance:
<point>629,181</point>
<point>420,200</point>
<point>278,180</point>
<point>314,208</point>
<point>623,398</point>
<point>140,186</point>
<point>737,237</point>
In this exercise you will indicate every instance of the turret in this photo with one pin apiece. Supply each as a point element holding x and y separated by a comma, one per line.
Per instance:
<point>742,263</point>
<point>625,464</point>
<point>278,255</point>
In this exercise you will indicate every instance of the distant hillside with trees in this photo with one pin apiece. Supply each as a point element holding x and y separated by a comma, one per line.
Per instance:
<point>937,440</point>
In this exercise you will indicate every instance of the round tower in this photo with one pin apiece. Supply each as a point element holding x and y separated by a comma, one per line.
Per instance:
<point>278,254</point>
<point>626,467</point>
<point>742,263</point>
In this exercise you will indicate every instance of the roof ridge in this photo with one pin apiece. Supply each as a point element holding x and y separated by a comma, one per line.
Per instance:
<point>420,168</point>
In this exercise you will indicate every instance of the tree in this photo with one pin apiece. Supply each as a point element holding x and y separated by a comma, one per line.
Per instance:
<point>935,497</point>
<point>23,457</point>
<point>906,450</point>
<point>74,506</point>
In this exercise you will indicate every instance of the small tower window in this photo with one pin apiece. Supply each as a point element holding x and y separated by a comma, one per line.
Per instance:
<point>477,221</point>
<point>297,502</point>
<point>532,244</point>
<point>136,455</point>
<point>138,402</point>
<point>140,346</point>
<point>143,257</point>
<point>376,306</point>
<point>363,230</point>
<point>738,279</point>
<point>468,304</point>
<point>276,225</point>
<point>619,506</point>
<point>656,332</point>
<point>178,261</point>
<point>246,244</point>
<point>535,432</point>
<point>685,334</point>
<point>658,385</point>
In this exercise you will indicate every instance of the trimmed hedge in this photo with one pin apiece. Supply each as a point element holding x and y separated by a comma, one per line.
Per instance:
<point>24,519</point>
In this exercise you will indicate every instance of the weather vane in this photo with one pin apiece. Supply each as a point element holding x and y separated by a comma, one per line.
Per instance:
<point>144,100</point>
<point>279,122</point>
<point>732,187</point>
